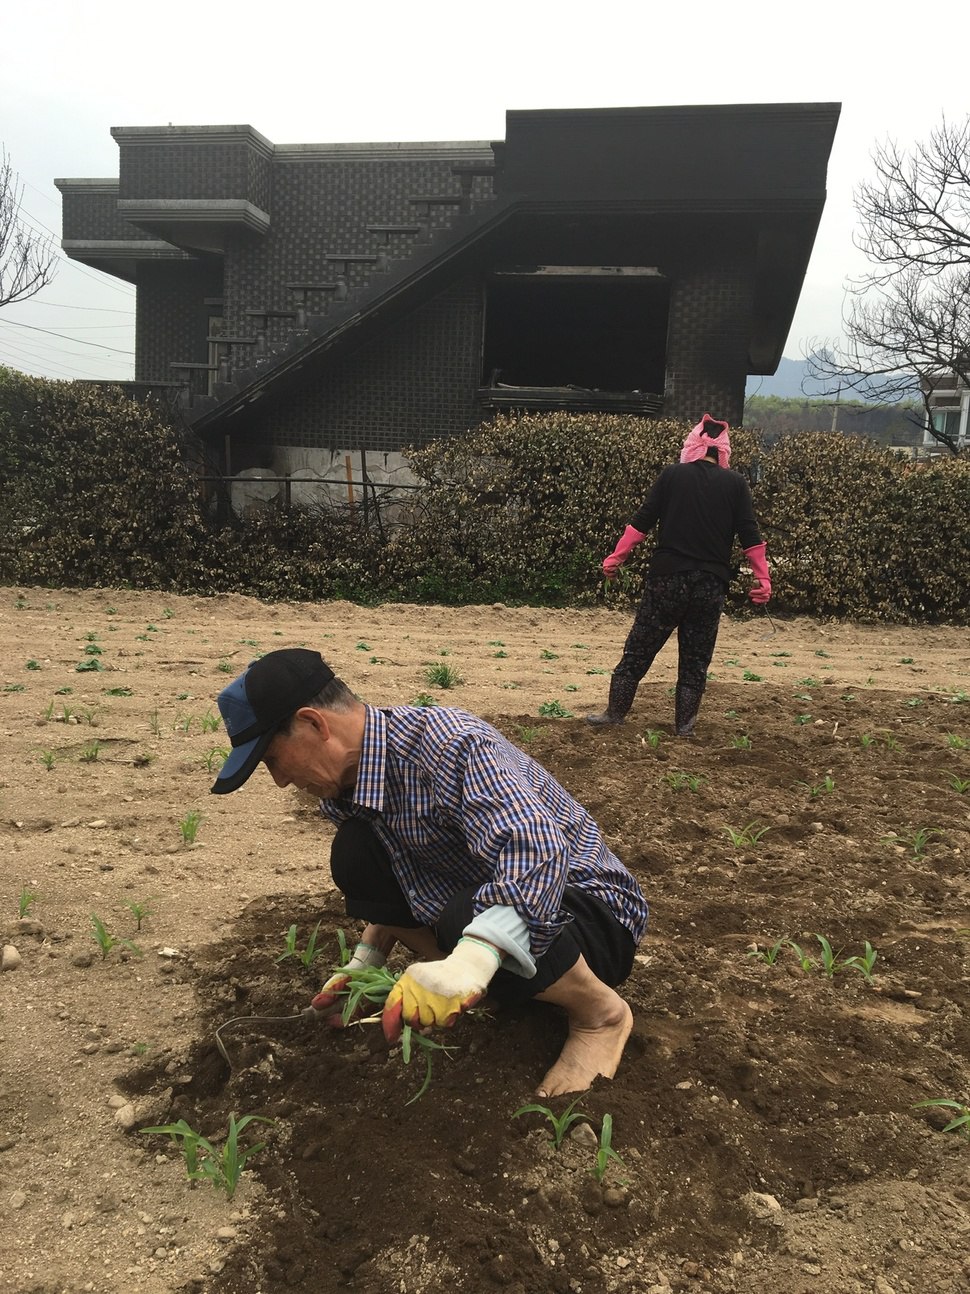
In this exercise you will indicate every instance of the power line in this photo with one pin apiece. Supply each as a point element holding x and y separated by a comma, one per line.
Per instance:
<point>28,220</point>
<point>80,340</point>
<point>66,368</point>
<point>61,305</point>
<point>60,350</point>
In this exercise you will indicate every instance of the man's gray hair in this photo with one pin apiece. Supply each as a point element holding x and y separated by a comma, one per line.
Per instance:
<point>335,695</point>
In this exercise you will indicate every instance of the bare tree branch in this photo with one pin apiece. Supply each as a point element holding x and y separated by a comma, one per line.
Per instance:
<point>907,322</point>
<point>27,258</point>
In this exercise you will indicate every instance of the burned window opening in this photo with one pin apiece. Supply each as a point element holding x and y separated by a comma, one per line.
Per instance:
<point>592,332</point>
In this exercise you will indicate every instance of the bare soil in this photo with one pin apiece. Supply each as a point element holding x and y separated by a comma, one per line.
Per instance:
<point>763,1113</point>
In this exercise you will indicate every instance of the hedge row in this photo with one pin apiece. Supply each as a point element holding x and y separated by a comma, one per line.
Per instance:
<point>98,491</point>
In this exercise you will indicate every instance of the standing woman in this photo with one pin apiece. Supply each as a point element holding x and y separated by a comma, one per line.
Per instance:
<point>700,505</point>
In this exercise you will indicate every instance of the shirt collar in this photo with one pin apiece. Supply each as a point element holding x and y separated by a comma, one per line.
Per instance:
<point>369,791</point>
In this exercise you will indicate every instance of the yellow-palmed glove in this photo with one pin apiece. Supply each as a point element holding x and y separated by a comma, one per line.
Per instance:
<point>431,993</point>
<point>329,1001</point>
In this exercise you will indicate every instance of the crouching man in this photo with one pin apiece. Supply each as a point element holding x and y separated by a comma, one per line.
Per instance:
<point>454,843</point>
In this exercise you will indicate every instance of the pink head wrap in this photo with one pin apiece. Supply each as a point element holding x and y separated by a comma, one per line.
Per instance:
<point>710,433</point>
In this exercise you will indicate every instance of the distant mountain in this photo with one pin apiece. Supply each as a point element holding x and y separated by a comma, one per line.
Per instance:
<point>790,382</point>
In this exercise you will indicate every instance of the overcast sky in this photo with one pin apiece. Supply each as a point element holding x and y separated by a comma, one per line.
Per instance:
<point>389,70</point>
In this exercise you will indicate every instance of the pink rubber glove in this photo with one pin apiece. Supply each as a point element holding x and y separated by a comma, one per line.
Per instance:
<point>761,592</point>
<point>628,540</point>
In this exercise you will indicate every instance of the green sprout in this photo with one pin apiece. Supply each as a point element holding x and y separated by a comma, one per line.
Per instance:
<point>767,955</point>
<point>528,734</point>
<point>546,654</point>
<point>210,722</point>
<point>917,839</point>
<point>203,1161</point>
<point>961,1122</point>
<point>554,710</point>
<point>189,826</point>
<point>47,759</point>
<point>215,758</point>
<point>560,1123</point>
<point>26,900</point>
<point>310,953</point>
<point>956,742</point>
<point>89,753</point>
<point>605,1152</point>
<point>749,676</point>
<point>87,666</point>
<point>424,699</point>
<point>106,941</point>
<point>825,787</point>
<point>680,781</point>
<point>748,837</point>
<point>959,784</point>
<point>443,675</point>
<point>652,737</point>
<point>118,691</point>
<point>32,664</point>
<point>742,742</point>
<point>141,910</point>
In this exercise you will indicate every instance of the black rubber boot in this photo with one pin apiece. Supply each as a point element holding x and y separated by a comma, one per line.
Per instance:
<point>687,702</point>
<point>622,692</point>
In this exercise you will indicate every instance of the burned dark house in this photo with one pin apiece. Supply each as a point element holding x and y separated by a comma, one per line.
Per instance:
<point>308,298</point>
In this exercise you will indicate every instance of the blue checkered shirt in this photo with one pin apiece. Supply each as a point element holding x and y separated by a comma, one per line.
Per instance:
<point>456,804</point>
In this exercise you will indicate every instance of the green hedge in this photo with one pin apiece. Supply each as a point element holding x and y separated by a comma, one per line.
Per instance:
<point>97,490</point>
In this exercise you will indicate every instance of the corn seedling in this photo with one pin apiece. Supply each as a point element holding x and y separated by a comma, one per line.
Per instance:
<point>90,752</point>
<point>554,710</point>
<point>804,960</point>
<point>825,787</point>
<point>189,826</point>
<point>48,713</point>
<point>959,784</point>
<point>215,758</point>
<point>106,941</point>
<point>917,839</point>
<point>371,984</point>
<point>26,900</point>
<point>867,740</point>
<point>651,738</point>
<point>748,837</point>
<point>961,1123</point>
<point>500,654</point>
<point>605,1152</point>
<point>183,723</point>
<point>956,742</point>
<point>561,1123</point>
<point>832,962</point>
<point>203,1161</point>
<point>310,953</point>
<point>141,910</point>
<point>767,955</point>
<point>742,742</point>
<point>684,781</point>
<point>424,699</point>
<point>47,759</point>
<point>496,642</point>
<point>528,734</point>
<point>154,724</point>
<point>444,676</point>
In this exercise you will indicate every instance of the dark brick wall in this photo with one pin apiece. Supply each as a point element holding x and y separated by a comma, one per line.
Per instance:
<point>171,318</point>
<point>195,169</point>
<point>92,216</point>
<point>414,384</point>
<point>710,313</point>
<point>321,206</point>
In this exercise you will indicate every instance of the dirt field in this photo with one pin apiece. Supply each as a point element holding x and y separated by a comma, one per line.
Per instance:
<point>763,1113</point>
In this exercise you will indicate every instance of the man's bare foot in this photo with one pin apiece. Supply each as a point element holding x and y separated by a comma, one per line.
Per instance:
<point>589,1053</point>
